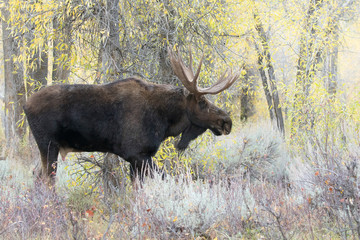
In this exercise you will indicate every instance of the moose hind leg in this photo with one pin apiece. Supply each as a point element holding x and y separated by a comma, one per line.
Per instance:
<point>49,154</point>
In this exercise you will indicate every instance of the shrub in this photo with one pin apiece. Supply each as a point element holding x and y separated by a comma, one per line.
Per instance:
<point>28,213</point>
<point>179,207</point>
<point>257,152</point>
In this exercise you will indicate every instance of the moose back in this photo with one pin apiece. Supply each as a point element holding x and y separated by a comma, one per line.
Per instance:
<point>129,118</point>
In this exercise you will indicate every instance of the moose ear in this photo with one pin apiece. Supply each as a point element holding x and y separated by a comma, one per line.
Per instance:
<point>187,135</point>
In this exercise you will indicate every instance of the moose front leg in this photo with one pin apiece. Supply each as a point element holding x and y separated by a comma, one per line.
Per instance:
<point>141,167</point>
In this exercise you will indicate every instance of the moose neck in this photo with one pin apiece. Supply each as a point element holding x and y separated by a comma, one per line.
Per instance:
<point>179,122</point>
<point>184,125</point>
<point>187,130</point>
<point>177,114</point>
<point>189,134</point>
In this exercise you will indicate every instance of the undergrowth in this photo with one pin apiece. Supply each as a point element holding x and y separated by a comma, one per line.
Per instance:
<point>247,186</point>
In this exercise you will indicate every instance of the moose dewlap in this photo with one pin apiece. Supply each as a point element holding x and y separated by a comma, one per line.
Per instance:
<point>129,117</point>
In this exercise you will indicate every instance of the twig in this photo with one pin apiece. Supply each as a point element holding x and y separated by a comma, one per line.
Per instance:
<point>2,232</point>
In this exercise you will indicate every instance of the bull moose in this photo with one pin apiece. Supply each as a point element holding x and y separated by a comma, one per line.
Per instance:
<point>129,117</point>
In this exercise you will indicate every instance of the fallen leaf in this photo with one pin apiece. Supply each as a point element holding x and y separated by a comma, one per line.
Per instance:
<point>89,213</point>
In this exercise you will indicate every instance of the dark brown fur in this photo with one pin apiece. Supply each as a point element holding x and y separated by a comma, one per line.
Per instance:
<point>129,118</point>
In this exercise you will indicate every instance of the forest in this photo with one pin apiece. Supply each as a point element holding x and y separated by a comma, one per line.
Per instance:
<point>289,169</point>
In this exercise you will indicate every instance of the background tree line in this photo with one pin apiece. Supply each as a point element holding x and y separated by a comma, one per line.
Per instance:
<point>289,48</point>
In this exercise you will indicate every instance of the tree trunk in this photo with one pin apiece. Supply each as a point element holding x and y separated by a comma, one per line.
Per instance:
<point>309,58</point>
<point>110,177</point>
<point>166,37</point>
<point>40,73</point>
<point>247,105</point>
<point>330,64</point>
<point>275,95</point>
<point>165,74</point>
<point>14,94</point>
<point>110,55</point>
<point>264,82</point>
<point>110,67</point>
<point>307,61</point>
<point>332,46</point>
<point>62,47</point>
<point>275,101</point>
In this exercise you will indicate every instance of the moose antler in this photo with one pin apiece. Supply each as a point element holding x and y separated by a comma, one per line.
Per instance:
<point>189,80</point>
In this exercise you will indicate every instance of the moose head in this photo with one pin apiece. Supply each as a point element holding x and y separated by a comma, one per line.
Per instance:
<point>201,112</point>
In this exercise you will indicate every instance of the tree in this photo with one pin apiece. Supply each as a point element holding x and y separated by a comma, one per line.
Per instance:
<point>265,64</point>
<point>60,41</point>
<point>110,54</point>
<point>317,61</point>
<point>14,82</point>
<point>246,94</point>
<point>331,42</point>
<point>27,60</point>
